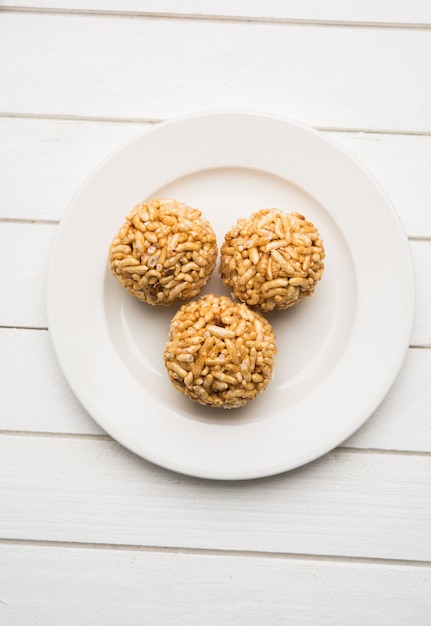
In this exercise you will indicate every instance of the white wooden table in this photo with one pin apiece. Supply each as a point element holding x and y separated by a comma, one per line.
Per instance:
<point>90,533</point>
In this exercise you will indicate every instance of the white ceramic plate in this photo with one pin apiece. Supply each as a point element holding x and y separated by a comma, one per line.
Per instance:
<point>338,352</point>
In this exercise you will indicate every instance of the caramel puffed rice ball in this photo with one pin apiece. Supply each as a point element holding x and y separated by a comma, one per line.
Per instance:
<point>165,252</point>
<point>272,259</point>
<point>219,352</point>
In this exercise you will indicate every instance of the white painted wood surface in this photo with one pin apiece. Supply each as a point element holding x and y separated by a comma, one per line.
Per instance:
<point>93,491</point>
<point>89,533</point>
<point>191,589</point>
<point>329,76</point>
<point>386,12</point>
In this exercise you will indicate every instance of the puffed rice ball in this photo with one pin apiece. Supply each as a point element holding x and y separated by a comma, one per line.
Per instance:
<point>165,252</point>
<point>272,259</point>
<point>219,352</point>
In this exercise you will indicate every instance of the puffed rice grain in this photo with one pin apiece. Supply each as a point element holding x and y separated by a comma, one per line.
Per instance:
<point>272,259</point>
<point>165,252</point>
<point>219,352</point>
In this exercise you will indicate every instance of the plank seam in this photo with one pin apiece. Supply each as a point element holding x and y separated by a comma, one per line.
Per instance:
<point>105,437</point>
<point>219,18</point>
<point>215,552</point>
<point>380,451</point>
<point>147,120</point>
<point>8,327</point>
<point>27,220</point>
<point>80,118</point>
<point>53,435</point>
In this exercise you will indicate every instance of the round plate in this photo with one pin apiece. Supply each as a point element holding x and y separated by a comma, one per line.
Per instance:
<point>338,351</point>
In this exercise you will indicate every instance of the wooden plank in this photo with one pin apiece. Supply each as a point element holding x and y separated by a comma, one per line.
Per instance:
<point>401,165</point>
<point>402,421</point>
<point>382,12</point>
<point>35,395</point>
<point>23,278</point>
<point>351,504</point>
<point>92,587</point>
<point>335,76</point>
<point>44,162</point>
<point>36,398</point>
<point>421,252</point>
<point>27,248</point>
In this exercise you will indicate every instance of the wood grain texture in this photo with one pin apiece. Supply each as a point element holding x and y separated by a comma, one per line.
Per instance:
<point>421,252</point>
<point>35,395</point>
<point>401,165</point>
<point>384,11</point>
<point>23,277</point>
<point>351,504</point>
<point>402,421</point>
<point>130,587</point>
<point>36,398</point>
<point>44,162</point>
<point>27,248</point>
<point>337,77</point>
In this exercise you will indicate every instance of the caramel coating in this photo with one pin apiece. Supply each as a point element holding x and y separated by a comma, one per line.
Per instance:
<point>272,259</point>
<point>165,252</point>
<point>219,352</point>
